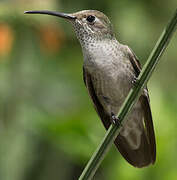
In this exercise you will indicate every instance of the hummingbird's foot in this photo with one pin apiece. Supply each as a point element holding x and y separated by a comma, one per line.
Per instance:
<point>135,81</point>
<point>115,120</point>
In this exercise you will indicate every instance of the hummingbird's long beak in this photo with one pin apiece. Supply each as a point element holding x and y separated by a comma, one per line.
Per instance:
<point>53,13</point>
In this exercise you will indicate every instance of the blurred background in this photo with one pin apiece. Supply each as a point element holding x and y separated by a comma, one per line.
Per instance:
<point>48,127</point>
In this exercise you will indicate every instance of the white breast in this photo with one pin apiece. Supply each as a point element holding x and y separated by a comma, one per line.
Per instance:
<point>110,70</point>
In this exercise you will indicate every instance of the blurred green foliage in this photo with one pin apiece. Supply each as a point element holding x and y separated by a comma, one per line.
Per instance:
<point>48,127</point>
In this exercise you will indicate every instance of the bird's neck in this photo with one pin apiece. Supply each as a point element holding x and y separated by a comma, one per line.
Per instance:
<point>93,43</point>
<point>99,50</point>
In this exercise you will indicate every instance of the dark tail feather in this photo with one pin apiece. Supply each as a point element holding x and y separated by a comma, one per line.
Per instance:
<point>145,154</point>
<point>139,157</point>
<point>149,126</point>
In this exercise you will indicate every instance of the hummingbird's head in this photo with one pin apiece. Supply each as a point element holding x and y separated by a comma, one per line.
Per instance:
<point>93,24</point>
<point>88,24</point>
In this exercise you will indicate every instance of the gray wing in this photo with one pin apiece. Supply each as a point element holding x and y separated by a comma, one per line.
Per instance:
<point>146,153</point>
<point>97,105</point>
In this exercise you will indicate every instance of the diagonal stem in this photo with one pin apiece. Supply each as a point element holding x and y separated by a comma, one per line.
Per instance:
<point>134,93</point>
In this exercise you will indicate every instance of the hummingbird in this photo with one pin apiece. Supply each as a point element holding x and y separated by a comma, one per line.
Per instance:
<point>110,70</point>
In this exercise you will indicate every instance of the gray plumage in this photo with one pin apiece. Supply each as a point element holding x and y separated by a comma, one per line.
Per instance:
<point>109,69</point>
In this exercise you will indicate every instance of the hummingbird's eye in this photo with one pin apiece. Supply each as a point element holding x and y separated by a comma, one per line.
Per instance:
<point>90,18</point>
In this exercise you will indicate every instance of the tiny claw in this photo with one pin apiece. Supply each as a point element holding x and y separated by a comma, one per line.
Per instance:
<point>135,81</point>
<point>115,120</point>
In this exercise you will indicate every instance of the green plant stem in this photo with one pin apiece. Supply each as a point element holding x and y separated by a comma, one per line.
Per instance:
<point>134,93</point>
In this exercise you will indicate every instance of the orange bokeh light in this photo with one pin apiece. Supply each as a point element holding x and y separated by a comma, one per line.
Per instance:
<point>51,38</point>
<point>6,39</point>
